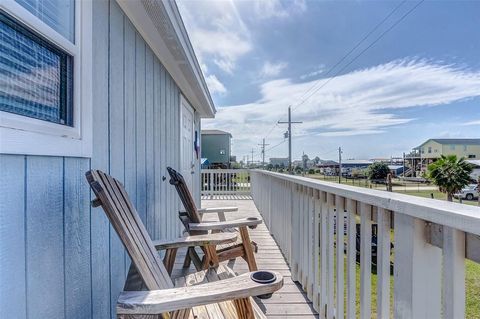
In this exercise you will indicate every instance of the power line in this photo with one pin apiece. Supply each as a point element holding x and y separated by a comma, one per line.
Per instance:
<point>276,145</point>
<point>361,52</point>
<point>375,28</point>
<point>263,152</point>
<point>289,122</point>
<point>357,45</point>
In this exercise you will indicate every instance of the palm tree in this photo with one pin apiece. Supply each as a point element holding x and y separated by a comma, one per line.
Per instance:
<point>450,174</point>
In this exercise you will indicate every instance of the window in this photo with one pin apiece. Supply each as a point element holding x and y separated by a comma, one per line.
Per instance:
<point>464,148</point>
<point>46,77</point>
<point>36,77</point>
<point>429,149</point>
<point>57,14</point>
<point>472,156</point>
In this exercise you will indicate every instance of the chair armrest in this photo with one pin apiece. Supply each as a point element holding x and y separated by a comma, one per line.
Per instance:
<point>250,222</point>
<point>199,240</point>
<point>161,301</point>
<point>217,210</point>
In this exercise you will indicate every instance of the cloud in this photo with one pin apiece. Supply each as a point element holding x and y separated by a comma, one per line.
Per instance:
<point>217,32</point>
<point>272,69</point>
<point>320,69</point>
<point>267,9</point>
<point>477,122</point>
<point>364,101</point>
<point>214,85</point>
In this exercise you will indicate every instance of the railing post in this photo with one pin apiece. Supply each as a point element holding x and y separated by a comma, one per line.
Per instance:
<point>210,184</point>
<point>417,271</point>
<point>453,273</point>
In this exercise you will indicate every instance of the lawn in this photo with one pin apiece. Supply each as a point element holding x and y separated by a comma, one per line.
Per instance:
<point>472,269</point>
<point>472,291</point>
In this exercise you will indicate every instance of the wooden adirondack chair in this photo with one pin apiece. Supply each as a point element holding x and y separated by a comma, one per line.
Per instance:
<point>192,220</point>
<point>196,295</point>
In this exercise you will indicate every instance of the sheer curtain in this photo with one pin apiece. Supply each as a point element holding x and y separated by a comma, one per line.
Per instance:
<point>58,14</point>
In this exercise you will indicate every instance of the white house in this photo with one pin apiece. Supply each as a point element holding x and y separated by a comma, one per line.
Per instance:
<point>105,84</point>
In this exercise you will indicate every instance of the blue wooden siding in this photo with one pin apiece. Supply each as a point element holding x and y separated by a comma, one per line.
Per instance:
<point>59,257</point>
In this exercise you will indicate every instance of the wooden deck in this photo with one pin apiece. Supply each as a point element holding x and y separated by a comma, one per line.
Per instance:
<point>290,301</point>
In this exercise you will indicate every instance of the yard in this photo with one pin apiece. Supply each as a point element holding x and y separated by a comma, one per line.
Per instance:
<point>472,269</point>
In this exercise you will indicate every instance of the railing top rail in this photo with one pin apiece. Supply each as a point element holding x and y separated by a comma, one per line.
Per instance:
<point>458,216</point>
<point>222,170</point>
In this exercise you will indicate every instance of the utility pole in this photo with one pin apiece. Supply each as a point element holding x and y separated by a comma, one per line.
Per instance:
<point>340,165</point>
<point>252,156</point>
<point>289,122</point>
<point>263,152</point>
<point>403,173</point>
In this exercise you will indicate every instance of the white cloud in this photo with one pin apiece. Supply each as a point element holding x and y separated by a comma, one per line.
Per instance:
<point>214,85</point>
<point>217,32</point>
<point>319,70</point>
<point>472,123</point>
<point>272,69</point>
<point>356,103</point>
<point>267,9</point>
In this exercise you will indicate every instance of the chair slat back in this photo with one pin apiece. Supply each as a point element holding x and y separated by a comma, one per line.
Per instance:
<point>125,220</point>
<point>178,181</point>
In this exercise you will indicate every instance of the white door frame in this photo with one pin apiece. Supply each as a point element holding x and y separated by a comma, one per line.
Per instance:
<point>184,105</point>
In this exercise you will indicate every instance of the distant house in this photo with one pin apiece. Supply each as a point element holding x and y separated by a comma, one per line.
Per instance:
<point>464,147</point>
<point>396,170</point>
<point>216,148</point>
<point>432,149</point>
<point>279,161</point>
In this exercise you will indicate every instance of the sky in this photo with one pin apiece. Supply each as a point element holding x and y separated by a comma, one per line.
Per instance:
<point>415,76</point>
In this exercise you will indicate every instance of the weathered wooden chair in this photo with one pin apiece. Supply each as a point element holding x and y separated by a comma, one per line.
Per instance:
<point>149,290</point>
<point>192,220</point>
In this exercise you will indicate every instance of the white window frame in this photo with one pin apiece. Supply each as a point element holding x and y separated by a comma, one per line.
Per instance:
<point>24,135</point>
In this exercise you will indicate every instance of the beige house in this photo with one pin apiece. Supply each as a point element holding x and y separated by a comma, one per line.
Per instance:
<point>434,148</point>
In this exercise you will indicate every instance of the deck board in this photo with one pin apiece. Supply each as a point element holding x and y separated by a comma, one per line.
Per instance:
<point>290,301</point>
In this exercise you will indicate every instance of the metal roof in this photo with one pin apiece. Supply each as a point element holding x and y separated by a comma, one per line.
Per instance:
<point>215,132</point>
<point>463,141</point>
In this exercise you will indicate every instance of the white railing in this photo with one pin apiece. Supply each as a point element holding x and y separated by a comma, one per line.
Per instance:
<point>431,241</point>
<point>225,182</point>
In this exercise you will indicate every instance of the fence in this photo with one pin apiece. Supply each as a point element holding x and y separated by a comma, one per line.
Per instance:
<point>225,182</point>
<point>431,240</point>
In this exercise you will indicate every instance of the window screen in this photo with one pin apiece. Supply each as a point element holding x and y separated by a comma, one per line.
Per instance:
<point>57,14</point>
<point>36,78</point>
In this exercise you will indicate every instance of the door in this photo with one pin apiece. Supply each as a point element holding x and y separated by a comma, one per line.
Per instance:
<point>186,144</point>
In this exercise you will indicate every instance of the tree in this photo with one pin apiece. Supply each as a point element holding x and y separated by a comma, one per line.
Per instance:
<point>378,171</point>
<point>450,174</point>
<point>316,160</point>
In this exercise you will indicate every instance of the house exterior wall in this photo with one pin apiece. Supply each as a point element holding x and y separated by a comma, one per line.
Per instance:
<point>211,146</point>
<point>460,150</point>
<point>61,258</point>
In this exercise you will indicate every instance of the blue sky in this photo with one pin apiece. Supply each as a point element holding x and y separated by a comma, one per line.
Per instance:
<point>420,81</point>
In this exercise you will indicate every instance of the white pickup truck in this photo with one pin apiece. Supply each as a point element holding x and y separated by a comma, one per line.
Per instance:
<point>470,192</point>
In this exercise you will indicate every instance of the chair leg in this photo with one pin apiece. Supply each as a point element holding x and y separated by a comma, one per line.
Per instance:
<point>247,246</point>
<point>169,259</point>
<point>188,259</point>
<point>214,262</point>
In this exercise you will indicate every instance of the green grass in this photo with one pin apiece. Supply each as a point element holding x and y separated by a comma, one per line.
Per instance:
<point>472,269</point>
<point>472,302</point>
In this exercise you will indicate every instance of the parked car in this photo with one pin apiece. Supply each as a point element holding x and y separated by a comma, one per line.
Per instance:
<point>470,192</point>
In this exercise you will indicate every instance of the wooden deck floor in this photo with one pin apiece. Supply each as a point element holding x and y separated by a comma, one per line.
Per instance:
<point>289,302</point>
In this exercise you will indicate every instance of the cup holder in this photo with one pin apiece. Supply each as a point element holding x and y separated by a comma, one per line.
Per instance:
<point>252,218</point>
<point>263,277</point>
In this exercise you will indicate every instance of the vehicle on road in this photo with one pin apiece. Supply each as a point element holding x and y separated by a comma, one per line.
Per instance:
<point>469,193</point>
